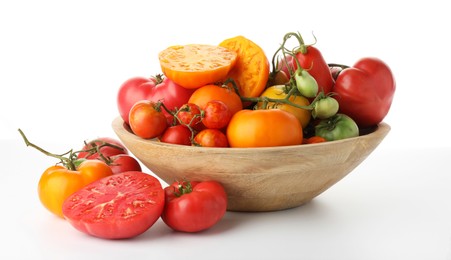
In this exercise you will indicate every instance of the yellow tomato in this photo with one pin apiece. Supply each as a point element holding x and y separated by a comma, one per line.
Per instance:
<point>280,92</point>
<point>58,182</point>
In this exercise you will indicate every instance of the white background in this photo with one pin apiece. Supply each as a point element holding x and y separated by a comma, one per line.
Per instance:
<point>62,62</point>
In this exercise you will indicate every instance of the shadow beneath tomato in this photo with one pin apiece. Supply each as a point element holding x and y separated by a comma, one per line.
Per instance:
<point>249,220</point>
<point>242,221</point>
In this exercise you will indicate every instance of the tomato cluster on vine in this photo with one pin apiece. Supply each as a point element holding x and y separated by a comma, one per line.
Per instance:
<point>307,99</point>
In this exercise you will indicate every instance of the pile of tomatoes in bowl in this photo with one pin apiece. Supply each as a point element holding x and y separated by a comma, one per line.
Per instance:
<point>230,95</point>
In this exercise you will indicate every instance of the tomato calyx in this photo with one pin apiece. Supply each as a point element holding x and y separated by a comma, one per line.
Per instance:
<point>158,78</point>
<point>183,187</point>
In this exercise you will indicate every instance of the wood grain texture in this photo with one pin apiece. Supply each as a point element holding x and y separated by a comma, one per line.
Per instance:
<point>257,179</point>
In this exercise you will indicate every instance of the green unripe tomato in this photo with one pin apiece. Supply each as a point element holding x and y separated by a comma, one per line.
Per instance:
<point>325,108</point>
<point>337,127</point>
<point>306,83</point>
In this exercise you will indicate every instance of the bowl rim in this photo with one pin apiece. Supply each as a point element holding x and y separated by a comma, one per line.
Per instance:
<point>120,128</point>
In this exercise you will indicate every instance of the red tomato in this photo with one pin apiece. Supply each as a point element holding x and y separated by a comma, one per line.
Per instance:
<point>119,206</point>
<point>147,120</point>
<point>194,206</point>
<point>264,128</point>
<point>178,134</point>
<point>311,59</point>
<point>190,115</point>
<point>211,138</point>
<point>216,115</point>
<point>365,92</point>
<point>106,151</point>
<point>153,89</point>
<point>123,163</point>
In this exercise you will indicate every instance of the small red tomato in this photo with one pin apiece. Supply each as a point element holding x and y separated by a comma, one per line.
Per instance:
<point>194,206</point>
<point>211,138</point>
<point>147,120</point>
<point>123,163</point>
<point>190,114</point>
<point>178,134</point>
<point>110,147</point>
<point>217,115</point>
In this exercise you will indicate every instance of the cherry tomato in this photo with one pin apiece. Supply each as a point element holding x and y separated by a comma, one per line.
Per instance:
<point>194,206</point>
<point>216,114</point>
<point>120,206</point>
<point>211,138</point>
<point>190,114</point>
<point>123,163</point>
<point>264,128</point>
<point>208,93</point>
<point>281,92</point>
<point>106,151</point>
<point>146,119</point>
<point>178,134</point>
<point>58,182</point>
<point>154,89</point>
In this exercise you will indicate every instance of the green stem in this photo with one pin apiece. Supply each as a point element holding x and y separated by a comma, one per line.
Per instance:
<point>67,162</point>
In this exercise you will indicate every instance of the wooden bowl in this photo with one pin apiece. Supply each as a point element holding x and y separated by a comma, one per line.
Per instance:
<point>256,179</point>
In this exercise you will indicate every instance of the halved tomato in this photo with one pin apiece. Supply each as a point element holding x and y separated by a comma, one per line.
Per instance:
<point>119,206</point>
<point>251,70</point>
<point>195,65</point>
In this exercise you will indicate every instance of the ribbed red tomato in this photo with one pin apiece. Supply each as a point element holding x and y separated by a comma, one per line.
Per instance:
<point>120,206</point>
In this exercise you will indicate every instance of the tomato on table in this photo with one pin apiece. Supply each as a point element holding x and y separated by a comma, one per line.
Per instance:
<point>195,65</point>
<point>192,206</point>
<point>123,163</point>
<point>116,207</point>
<point>58,182</point>
<point>264,128</point>
<point>109,147</point>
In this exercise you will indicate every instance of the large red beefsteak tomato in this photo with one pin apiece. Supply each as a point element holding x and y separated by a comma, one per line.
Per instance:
<point>365,91</point>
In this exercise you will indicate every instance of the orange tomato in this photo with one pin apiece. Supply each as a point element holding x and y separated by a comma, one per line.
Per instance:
<point>280,92</point>
<point>195,65</point>
<point>251,70</point>
<point>203,95</point>
<point>58,182</point>
<point>314,140</point>
<point>264,128</point>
